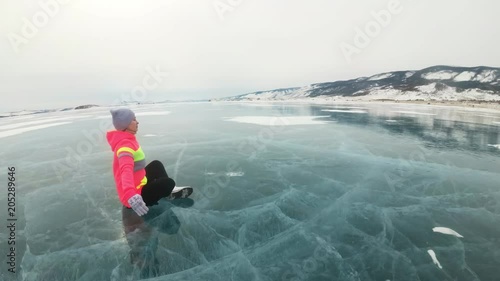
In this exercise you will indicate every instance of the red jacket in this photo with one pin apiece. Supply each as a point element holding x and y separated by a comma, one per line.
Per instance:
<point>128,164</point>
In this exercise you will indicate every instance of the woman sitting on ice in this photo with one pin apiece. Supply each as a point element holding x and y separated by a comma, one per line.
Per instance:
<point>138,185</point>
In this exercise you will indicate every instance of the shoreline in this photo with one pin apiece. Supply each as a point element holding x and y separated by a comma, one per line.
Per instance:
<point>469,105</point>
<point>495,105</point>
<point>492,106</point>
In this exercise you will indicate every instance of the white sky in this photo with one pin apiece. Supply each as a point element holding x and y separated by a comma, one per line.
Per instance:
<point>96,51</point>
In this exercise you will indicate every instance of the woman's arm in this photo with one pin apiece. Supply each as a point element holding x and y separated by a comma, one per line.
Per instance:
<point>126,169</point>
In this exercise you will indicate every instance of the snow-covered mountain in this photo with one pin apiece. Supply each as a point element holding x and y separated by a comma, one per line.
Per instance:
<point>440,83</point>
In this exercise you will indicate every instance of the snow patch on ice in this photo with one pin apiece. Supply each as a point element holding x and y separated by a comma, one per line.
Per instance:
<point>152,113</point>
<point>228,174</point>
<point>27,129</point>
<point>279,120</point>
<point>235,174</point>
<point>434,258</point>
<point>495,145</point>
<point>448,231</point>
<point>46,120</point>
<point>150,135</point>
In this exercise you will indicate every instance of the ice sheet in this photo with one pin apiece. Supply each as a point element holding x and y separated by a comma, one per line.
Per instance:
<point>358,198</point>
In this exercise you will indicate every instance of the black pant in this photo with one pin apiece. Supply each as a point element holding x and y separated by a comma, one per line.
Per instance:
<point>159,184</point>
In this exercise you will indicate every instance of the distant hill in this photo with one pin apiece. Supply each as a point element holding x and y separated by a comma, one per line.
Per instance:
<point>38,111</point>
<point>85,106</point>
<point>437,83</point>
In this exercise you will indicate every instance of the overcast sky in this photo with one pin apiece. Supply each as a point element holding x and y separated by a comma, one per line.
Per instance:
<point>94,51</point>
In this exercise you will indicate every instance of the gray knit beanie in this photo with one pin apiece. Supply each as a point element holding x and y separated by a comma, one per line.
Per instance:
<point>122,118</point>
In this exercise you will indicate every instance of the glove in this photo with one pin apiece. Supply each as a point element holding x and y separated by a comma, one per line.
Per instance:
<point>138,205</point>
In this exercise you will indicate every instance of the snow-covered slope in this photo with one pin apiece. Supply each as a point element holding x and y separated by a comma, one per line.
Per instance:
<point>277,94</point>
<point>434,83</point>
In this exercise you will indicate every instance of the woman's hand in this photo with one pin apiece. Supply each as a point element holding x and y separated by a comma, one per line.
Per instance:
<point>138,205</point>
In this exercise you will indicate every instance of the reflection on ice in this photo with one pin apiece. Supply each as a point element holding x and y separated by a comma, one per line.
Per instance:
<point>347,111</point>
<point>279,120</point>
<point>415,113</point>
<point>349,107</point>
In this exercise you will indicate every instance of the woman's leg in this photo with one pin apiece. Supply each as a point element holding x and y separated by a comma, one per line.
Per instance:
<point>155,170</point>
<point>157,189</point>
<point>159,184</point>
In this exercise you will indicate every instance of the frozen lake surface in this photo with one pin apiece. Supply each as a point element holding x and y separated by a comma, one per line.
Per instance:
<point>282,192</point>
